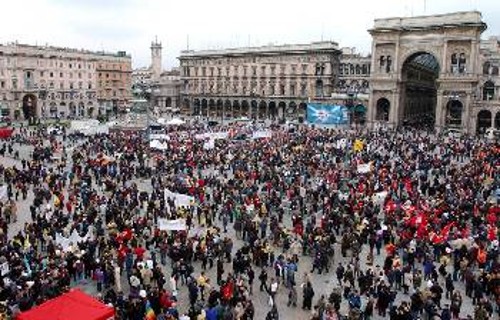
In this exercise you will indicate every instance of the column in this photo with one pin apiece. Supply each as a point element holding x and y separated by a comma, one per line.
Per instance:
<point>439,111</point>
<point>466,113</point>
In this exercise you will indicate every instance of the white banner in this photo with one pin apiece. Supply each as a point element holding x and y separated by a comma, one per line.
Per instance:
<point>180,200</point>
<point>159,136</point>
<point>4,269</point>
<point>90,131</point>
<point>212,135</point>
<point>209,145</point>
<point>156,144</point>
<point>364,168</point>
<point>262,134</point>
<point>379,197</point>
<point>165,224</point>
<point>82,124</point>
<point>3,193</point>
<point>72,240</point>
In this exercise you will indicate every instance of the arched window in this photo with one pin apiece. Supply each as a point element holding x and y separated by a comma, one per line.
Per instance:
<point>351,68</point>
<point>462,63</point>
<point>318,69</point>
<point>358,69</point>
<point>388,65</point>
<point>365,69</point>
<point>382,63</point>
<point>454,63</point>
<point>341,68</point>
<point>488,91</point>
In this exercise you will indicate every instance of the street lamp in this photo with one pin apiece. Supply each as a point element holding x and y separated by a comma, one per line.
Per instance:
<point>352,94</point>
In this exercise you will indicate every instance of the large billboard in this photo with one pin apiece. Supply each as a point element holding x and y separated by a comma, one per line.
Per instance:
<point>327,114</point>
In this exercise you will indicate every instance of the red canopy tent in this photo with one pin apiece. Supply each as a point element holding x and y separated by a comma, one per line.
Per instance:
<point>6,133</point>
<point>74,305</point>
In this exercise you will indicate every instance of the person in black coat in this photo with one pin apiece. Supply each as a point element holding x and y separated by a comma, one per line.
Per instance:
<point>308,294</point>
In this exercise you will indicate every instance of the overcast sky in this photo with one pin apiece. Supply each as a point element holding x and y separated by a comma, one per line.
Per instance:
<point>130,25</point>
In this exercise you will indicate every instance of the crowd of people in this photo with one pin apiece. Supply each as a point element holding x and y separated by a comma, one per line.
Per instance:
<point>401,224</point>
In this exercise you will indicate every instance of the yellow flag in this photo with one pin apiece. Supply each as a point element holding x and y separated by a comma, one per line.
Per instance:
<point>358,145</point>
<point>57,201</point>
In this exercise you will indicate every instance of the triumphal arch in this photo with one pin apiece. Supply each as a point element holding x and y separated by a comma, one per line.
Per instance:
<point>425,70</point>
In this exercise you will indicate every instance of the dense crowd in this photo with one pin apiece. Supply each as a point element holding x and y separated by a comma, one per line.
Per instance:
<point>403,223</point>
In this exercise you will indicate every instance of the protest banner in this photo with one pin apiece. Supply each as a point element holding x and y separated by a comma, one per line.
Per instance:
<point>262,134</point>
<point>364,168</point>
<point>180,200</point>
<point>3,193</point>
<point>4,268</point>
<point>171,225</point>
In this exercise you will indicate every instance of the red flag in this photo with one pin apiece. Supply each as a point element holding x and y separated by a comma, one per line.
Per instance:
<point>422,228</point>
<point>446,230</point>
<point>492,232</point>
<point>390,206</point>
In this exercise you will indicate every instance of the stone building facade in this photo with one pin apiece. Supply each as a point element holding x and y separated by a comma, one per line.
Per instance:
<point>354,72</point>
<point>114,81</point>
<point>46,81</point>
<point>487,102</point>
<point>432,71</point>
<point>268,82</point>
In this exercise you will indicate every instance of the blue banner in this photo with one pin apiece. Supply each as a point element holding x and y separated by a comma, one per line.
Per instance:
<point>327,114</point>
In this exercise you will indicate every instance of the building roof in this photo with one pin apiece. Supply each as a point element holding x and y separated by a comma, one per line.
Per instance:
<point>263,50</point>
<point>466,18</point>
<point>49,48</point>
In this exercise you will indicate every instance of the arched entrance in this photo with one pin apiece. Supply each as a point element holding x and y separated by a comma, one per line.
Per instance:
<point>254,112</point>
<point>228,113</point>
<point>281,110</point>
<point>497,121</point>
<point>483,121</point>
<point>302,111</point>
<point>196,107</point>
<point>81,110</point>
<point>236,109</point>
<point>419,90</point>
<point>263,110</point>
<point>29,106</point>
<point>204,108</point>
<point>220,109</point>
<point>245,107</point>
<point>186,106</point>
<point>291,111</point>
<point>454,110</point>
<point>273,112</point>
<point>383,109</point>
<point>212,109</point>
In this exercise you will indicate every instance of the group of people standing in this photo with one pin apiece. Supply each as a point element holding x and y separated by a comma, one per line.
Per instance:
<point>302,223</point>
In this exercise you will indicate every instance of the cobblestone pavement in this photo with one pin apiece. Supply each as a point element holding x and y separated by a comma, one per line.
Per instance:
<point>323,284</point>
